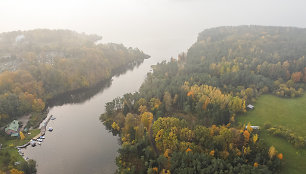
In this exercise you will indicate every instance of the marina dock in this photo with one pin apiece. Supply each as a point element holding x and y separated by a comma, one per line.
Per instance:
<point>43,127</point>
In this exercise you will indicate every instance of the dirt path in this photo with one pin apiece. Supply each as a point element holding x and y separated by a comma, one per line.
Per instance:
<point>24,119</point>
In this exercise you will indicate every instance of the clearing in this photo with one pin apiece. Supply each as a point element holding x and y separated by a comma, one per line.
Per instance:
<point>290,113</point>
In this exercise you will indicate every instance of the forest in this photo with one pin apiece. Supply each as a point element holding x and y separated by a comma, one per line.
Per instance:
<point>38,65</point>
<point>183,119</point>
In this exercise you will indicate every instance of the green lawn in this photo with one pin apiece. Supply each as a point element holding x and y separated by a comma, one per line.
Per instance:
<point>290,113</point>
<point>10,146</point>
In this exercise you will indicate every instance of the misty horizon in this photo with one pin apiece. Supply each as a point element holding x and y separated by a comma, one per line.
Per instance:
<point>143,24</point>
<point>173,86</point>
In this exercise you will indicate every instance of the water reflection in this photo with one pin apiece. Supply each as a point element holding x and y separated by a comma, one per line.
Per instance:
<point>79,142</point>
<point>81,95</point>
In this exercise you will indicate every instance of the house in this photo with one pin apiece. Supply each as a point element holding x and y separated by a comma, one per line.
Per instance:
<point>249,106</point>
<point>253,127</point>
<point>13,128</point>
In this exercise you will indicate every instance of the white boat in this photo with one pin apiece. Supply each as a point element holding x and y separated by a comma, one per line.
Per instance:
<point>50,129</point>
<point>33,143</point>
<point>39,143</point>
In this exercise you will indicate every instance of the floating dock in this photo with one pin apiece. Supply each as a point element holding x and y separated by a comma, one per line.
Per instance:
<point>43,127</point>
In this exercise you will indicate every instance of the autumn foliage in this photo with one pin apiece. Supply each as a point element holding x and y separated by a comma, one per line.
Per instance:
<point>55,62</point>
<point>280,156</point>
<point>193,99</point>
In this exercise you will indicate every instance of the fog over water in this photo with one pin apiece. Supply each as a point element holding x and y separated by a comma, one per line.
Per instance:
<point>151,25</point>
<point>161,28</point>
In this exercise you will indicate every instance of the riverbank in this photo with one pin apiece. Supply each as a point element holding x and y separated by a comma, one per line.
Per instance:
<point>40,120</point>
<point>11,156</point>
<point>9,152</point>
<point>78,119</point>
<point>43,127</point>
<point>82,94</point>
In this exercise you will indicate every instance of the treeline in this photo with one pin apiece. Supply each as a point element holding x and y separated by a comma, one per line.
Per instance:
<point>289,135</point>
<point>257,57</point>
<point>172,145</point>
<point>177,142</point>
<point>40,64</point>
<point>195,98</point>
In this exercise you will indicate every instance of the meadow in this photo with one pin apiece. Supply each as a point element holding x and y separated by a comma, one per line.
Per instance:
<point>9,146</point>
<point>289,113</point>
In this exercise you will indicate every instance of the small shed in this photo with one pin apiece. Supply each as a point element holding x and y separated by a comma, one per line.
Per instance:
<point>249,106</point>
<point>253,127</point>
<point>12,128</point>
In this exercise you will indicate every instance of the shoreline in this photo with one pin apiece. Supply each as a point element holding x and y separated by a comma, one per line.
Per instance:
<point>42,132</point>
<point>43,126</point>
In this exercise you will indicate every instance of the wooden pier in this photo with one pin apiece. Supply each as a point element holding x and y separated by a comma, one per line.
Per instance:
<point>42,133</point>
<point>43,128</point>
<point>23,146</point>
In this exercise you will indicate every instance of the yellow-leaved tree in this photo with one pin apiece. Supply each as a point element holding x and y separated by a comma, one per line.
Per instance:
<point>255,138</point>
<point>22,137</point>
<point>272,152</point>
<point>15,171</point>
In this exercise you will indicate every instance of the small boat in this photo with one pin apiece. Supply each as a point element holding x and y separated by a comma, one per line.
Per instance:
<point>50,129</point>
<point>39,143</point>
<point>39,140</point>
<point>53,118</point>
<point>42,137</point>
<point>33,144</point>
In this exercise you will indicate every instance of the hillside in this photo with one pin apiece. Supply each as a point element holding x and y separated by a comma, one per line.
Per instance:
<point>38,65</point>
<point>181,121</point>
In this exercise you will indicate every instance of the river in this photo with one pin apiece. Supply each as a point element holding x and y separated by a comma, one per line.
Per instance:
<point>79,142</point>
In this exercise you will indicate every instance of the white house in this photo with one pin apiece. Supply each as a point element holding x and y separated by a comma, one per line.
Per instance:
<point>249,106</point>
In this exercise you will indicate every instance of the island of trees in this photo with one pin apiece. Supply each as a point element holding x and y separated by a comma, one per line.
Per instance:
<point>182,120</point>
<point>39,65</point>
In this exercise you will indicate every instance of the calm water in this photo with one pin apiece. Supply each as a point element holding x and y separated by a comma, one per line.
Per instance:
<point>79,142</point>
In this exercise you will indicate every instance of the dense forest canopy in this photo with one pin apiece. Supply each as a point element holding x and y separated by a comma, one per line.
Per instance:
<point>181,121</point>
<point>39,64</point>
<point>263,55</point>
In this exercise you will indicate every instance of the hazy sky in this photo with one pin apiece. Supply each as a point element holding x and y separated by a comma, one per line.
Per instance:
<point>145,23</point>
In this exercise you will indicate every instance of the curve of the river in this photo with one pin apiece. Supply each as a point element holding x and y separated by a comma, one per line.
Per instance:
<point>80,143</point>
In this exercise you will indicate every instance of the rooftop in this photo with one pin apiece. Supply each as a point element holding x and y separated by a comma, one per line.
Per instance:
<point>13,126</point>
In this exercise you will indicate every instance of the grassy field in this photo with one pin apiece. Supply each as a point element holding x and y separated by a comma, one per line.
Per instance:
<point>290,113</point>
<point>10,146</point>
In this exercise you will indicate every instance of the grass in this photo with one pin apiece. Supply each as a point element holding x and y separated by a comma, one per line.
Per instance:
<point>9,145</point>
<point>290,113</point>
